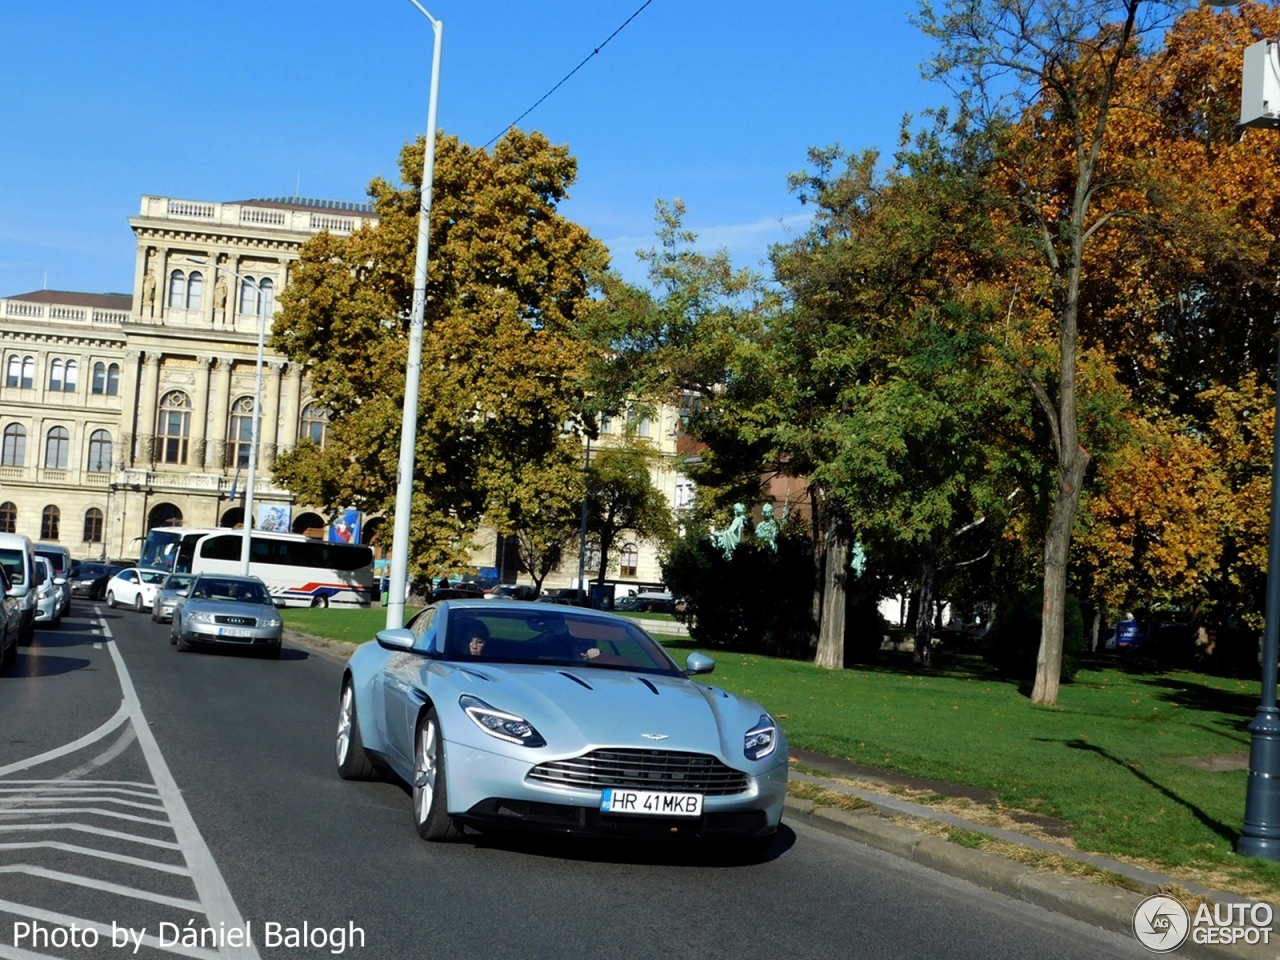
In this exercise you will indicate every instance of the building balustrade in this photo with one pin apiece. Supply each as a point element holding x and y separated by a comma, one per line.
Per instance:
<point>298,220</point>
<point>61,313</point>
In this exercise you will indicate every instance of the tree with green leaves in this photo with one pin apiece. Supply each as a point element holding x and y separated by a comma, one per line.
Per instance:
<point>502,361</point>
<point>621,498</point>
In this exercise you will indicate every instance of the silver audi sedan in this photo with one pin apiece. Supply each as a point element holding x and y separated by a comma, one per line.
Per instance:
<point>228,611</point>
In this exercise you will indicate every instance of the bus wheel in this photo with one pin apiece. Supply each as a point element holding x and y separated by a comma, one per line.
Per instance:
<point>319,602</point>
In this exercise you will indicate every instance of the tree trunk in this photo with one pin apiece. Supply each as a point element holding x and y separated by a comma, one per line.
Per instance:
<point>831,632</point>
<point>1057,546</point>
<point>819,556</point>
<point>924,616</point>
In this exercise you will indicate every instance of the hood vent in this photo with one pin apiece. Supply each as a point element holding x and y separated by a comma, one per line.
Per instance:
<point>648,684</point>
<point>576,680</point>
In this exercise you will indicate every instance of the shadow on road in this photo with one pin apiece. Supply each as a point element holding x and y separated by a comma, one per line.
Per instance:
<point>39,665</point>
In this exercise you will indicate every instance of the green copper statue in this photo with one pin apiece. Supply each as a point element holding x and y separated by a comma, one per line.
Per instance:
<point>729,538</point>
<point>767,528</point>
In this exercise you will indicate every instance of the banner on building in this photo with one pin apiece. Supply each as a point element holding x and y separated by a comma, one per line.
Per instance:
<point>273,517</point>
<point>345,527</point>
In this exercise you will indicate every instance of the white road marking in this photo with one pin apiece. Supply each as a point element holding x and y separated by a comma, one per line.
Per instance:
<point>97,646</point>
<point>24,800</point>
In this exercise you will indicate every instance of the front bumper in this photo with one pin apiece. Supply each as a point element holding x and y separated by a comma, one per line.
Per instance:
<point>47,610</point>
<point>211,633</point>
<point>490,790</point>
<point>164,609</point>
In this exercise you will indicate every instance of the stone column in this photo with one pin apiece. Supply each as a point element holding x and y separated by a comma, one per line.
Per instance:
<point>147,408</point>
<point>200,413</point>
<point>270,413</point>
<point>292,389</point>
<point>162,283</point>
<point>218,412</point>
<point>129,407</point>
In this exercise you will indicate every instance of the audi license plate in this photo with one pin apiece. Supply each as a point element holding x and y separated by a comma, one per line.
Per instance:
<point>233,632</point>
<point>648,802</point>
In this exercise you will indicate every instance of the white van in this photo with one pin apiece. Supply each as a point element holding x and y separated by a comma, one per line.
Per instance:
<point>19,558</point>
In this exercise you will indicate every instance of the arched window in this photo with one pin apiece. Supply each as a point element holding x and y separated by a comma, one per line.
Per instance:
<point>240,439</point>
<point>315,423</point>
<point>57,448</point>
<point>99,452</point>
<point>28,372</point>
<point>8,518</point>
<point>99,385</point>
<point>177,289</point>
<point>195,290</point>
<point>49,518</point>
<point>55,376</point>
<point>592,562</point>
<point>15,372</point>
<point>248,296</point>
<point>93,525</point>
<point>174,426</point>
<point>113,380</point>
<point>72,375</point>
<point>630,560</point>
<point>266,290</point>
<point>14,451</point>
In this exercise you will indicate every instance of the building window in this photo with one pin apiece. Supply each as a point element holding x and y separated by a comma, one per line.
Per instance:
<point>630,560</point>
<point>49,523</point>
<point>72,375</point>
<point>177,289</point>
<point>195,290</point>
<point>28,373</point>
<point>636,423</point>
<point>266,302</point>
<point>14,452</point>
<point>113,380</point>
<point>174,427</point>
<point>248,296</point>
<point>606,423</point>
<point>99,452</point>
<point>14,372</point>
<point>240,439</point>
<point>592,562</point>
<point>93,525</point>
<point>315,423</point>
<point>99,385</point>
<point>55,376</point>
<point>8,518</point>
<point>684,492</point>
<point>57,447</point>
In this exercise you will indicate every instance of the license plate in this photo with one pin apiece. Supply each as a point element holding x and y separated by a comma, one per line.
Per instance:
<point>233,632</point>
<point>651,803</point>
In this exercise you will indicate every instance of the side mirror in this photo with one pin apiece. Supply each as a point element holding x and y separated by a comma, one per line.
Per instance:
<point>183,592</point>
<point>280,601</point>
<point>59,581</point>
<point>396,639</point>
<point>698,663</point>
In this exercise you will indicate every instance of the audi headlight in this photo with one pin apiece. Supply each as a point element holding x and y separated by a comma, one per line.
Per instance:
<point>761,740</point>
<point>195,616</point>
<point>500,724</point>
<point>271,622</point>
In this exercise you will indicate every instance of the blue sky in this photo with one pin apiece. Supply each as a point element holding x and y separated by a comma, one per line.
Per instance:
<point>711,102</point>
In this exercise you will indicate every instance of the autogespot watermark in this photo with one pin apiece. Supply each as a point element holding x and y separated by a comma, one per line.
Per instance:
<point>32,934</point>
<point>1162,924</point>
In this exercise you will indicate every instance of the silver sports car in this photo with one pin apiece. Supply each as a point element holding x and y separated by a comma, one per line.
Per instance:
<point>533,716</point>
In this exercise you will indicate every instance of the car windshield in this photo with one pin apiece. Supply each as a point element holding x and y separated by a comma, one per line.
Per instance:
<point>178,581</point>
<point>152,576</point>
<point>91,571</point>
<point>554,637</point>
<point>12,560</point>
<point>243,591</point>
<point>56,560</point>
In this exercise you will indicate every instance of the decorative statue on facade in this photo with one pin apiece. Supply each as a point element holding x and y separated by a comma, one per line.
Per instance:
<point>220,295</point>
<point>767,528</point>
<point>149,289</point>
<point>728,539</point>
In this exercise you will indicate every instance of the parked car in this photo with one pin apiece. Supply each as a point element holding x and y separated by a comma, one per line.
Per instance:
<point>222,610</point>
<point>60,558</point>
<point>48,594</point>
<point>585,725</point>
<point>10,623</point>
<point>171,592</point>
<point>460,592</point>
<point>646,603</point>
<point>19,559</point>
<point>511,591</point>
<point>135,587</point>
<point>90,579</point>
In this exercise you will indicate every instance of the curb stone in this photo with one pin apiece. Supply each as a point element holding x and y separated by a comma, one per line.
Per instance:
<point>1110,908</point>
<point>333,650</point>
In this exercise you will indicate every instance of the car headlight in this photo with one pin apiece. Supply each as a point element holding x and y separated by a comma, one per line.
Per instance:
<point>271,622</point>
<point>761,740</point>
<point>42,593</point>
<point>198,617</point>
<point>498,723</point>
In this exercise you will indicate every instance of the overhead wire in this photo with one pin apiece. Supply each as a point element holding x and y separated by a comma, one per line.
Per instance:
<point>569,74</point>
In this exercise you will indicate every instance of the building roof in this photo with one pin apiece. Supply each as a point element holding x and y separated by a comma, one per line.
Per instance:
<point>309,203</point>
<point>106,301</point>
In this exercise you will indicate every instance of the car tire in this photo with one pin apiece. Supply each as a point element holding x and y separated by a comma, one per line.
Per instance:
<point>27,631</point>
<point>111,599</point>
<point>137,602</point>
<point>353,762</point>
<point>430,791</point>
<point>10,656</point>
<point>182,645</point>
<point>273,652</point>
<point>319,602</point>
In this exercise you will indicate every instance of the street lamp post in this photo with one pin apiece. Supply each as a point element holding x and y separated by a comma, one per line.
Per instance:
<point>413,368</point>
<point>582,533</point>
<point>247,526</point>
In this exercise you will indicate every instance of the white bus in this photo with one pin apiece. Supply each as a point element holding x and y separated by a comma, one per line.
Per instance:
<point>302,571</point>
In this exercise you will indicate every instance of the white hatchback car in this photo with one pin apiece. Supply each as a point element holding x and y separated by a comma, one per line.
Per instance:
<point>135,588</point>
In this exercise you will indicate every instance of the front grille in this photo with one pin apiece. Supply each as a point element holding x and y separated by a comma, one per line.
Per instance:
<point>643,770</point>
<point>236,621</point>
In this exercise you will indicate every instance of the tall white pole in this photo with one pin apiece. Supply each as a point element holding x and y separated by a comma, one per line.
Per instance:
<point>413,369</point>
<point>253,440</point>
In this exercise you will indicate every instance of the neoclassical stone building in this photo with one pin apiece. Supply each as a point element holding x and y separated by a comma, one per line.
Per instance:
<point>122,411</point>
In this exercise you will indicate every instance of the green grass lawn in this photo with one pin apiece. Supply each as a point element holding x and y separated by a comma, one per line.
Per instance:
<point>1102,759</point>
<point>348,625</point>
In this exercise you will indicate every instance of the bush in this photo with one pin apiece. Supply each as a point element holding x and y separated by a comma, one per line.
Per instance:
<point>758,602</point>
<point>1013,643</point>
<point>864,628</point>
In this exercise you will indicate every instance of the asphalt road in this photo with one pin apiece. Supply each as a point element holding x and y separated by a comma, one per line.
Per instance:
<point>144,787</point>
